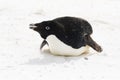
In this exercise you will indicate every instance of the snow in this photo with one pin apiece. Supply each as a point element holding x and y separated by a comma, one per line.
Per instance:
<point>21,59</point>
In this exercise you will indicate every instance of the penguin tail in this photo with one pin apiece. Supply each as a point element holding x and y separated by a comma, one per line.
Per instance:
<point>93,44</point>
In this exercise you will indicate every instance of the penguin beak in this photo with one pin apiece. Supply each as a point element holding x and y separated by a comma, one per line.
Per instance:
<point>32,26</point>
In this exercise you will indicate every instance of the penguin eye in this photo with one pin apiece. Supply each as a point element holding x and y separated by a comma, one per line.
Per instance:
<point>47,28</point>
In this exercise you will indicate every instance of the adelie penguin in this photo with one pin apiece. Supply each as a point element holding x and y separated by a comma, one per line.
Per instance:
<point>67,36</point>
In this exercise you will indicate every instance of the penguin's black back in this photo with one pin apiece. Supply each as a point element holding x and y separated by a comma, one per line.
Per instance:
<point>75,30</point>
<point>73,23</point>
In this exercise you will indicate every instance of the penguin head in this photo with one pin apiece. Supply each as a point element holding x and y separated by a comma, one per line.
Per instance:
<point>46,28</point>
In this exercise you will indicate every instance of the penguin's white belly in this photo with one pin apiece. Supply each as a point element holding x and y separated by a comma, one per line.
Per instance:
<point>57,47</point>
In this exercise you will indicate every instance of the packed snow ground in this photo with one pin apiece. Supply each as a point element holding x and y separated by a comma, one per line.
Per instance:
<point>21,59</point>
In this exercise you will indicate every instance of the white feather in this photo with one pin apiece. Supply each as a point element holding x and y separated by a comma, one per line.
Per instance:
<point>57,47</point>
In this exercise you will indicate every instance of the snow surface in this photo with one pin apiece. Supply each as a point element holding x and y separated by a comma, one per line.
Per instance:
<point>21,59</point>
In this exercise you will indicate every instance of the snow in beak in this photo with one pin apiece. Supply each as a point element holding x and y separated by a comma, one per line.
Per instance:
<point>32,26</point>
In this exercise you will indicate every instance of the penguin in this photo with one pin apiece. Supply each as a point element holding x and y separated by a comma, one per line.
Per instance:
<point>66,36</point>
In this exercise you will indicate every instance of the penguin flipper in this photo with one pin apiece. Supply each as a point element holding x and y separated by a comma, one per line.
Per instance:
<point>93,44</point>
<point>43,44</point>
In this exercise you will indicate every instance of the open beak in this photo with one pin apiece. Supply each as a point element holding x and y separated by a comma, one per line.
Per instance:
<point>32,26</point>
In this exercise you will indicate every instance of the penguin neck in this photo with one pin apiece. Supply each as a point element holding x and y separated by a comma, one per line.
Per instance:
<point>61,35</point>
